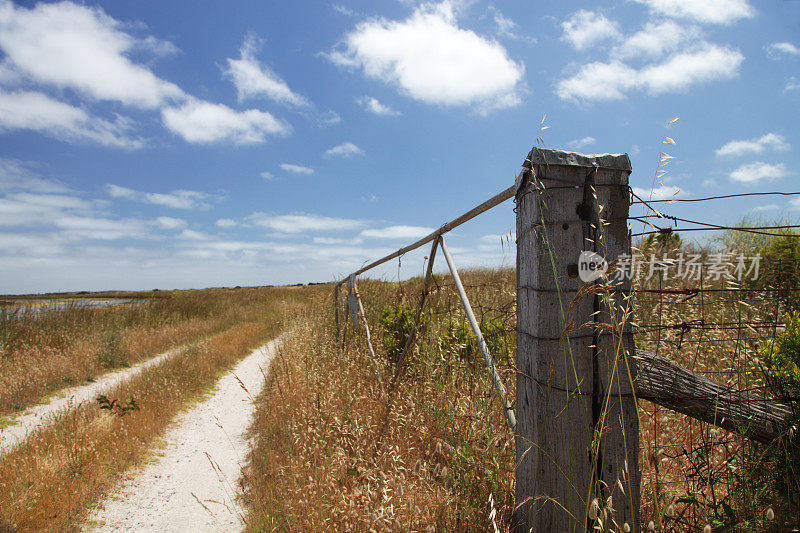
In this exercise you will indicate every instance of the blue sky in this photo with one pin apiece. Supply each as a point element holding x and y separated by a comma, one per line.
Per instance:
<point>191,144</point>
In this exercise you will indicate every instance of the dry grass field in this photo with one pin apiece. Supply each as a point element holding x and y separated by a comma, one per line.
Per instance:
<point>333,451</point>
<point>52,480</point>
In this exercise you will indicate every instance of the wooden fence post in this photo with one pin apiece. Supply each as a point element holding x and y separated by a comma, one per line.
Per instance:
<point>577,424</point>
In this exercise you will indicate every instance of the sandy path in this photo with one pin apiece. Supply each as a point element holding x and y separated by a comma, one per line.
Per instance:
<point>193,485</point>
<point>37,416</point>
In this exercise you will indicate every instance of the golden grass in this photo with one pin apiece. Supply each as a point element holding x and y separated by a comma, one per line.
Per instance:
<point>41,354</point>
<point>327,456</point>
<point>49,482</point>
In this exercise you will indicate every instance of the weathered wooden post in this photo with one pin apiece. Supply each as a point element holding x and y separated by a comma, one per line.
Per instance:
<point>577,425</point>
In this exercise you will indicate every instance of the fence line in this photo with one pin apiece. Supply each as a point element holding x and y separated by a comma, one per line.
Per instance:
<point>469,215</point>
<point>653,377</point>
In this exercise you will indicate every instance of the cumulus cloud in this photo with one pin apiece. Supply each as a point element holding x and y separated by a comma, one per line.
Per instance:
<point>429,58</point>
<point>758,145</point>
<point>778,50</point>
<point>375,107</point>
<point>660,192</point>
<point>655,40</point>
<point>297,169</point>
<point>759,171</point>
<point>302,223</point>
<point>397,232</point>
<point>252,79</point>
<point>347,149</point>
<point>226,223</point>
<point>267,175</point>
<point>78,47</point>
<point>584,29</point>
<point>203,122</point>
<point>703,11</point>
<point>34,111</point>
<point>577,144</point>
<point>614,80</point>
<point>170,223</point>
<point>177,199</point>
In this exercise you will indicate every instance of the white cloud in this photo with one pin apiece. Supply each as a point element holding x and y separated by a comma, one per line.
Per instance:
<point>347,149</point>
<point>759,171</point>
<point>203,122</point>
<point>432,60</point>
<point>704,11</point>
<point>253,79</point>
<point>296,169</point>
<point>584,29</point>
<point>334,240</point>
<point>28,110</point>
<point>599,81</point>
<point>777,50</point>
<point>20,175</point>
<point>170,223</point>
<point>98,228</point>
<point>397,232</point>
<point>769,141</point>
<point>267,175</point>
<point>655,40</point>
<point>177,199</point>
<point>792,85</point>
<point>497,238</point>
<point>116,191</point>
<point>226,223</point>
<point>329,118</point>
<point>768,207</point>
<point>52,200</point>
<point>577,144</point>
<point>31,200</point>
<point>78,47</point>
<point>343,10</point>
<point>301,223</point>
<point>192,235</point>
<point>709,62</point>
<point>660,192</point>
<point>375,107</point>
<point>507,28</point>
<point>795,203</point>
<point>157,46</point>
<point>612,81</point>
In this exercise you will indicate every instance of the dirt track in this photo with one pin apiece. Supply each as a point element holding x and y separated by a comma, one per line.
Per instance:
<point>193,485</point>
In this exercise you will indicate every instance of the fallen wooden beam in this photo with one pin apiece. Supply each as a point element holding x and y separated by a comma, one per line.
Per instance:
<point>665,383</point>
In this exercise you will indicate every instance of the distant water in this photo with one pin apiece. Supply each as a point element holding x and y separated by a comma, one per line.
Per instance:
<point>27,308</point>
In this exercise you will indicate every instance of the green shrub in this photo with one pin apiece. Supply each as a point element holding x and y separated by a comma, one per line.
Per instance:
<point>769,475</point>
<point>780,268</point>
<point>398,323</point>
<point>459,340</point>
<point>782,358</point>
